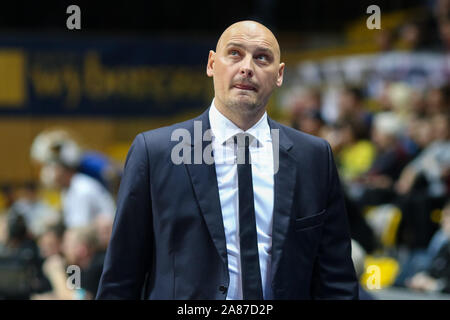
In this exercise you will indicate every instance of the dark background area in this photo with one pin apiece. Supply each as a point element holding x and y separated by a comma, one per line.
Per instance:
<point>204,16</point>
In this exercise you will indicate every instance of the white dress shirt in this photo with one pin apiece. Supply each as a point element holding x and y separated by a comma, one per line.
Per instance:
<point>261,154</point>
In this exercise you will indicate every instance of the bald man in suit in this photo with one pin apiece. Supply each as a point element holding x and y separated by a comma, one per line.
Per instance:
<point>251,210</point>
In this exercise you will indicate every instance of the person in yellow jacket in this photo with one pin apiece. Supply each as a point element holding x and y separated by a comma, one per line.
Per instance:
<point>356,153</point>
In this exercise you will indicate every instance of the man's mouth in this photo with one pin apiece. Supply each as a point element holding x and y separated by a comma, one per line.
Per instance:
<point>245,87</point>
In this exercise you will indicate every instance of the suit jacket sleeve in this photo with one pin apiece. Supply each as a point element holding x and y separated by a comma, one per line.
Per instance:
<point>334,275</point>
<point>129,252</point>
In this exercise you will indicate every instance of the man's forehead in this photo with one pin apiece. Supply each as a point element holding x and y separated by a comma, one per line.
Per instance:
<point>248,32</point>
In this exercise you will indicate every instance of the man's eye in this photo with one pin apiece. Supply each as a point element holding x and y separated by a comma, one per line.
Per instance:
<point>262,57</point>
<point>234,52</point>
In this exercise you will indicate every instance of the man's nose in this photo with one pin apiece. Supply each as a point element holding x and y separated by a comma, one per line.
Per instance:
<point>246,69</point>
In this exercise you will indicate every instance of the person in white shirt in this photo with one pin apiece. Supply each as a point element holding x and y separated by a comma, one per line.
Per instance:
<point>84,201</point>
<point>83,198</point>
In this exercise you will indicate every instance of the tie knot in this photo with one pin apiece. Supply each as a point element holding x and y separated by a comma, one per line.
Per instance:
<point>243,140</point>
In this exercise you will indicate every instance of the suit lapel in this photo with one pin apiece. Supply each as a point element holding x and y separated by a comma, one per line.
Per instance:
<point>284,185</point>
<point>204,181</point>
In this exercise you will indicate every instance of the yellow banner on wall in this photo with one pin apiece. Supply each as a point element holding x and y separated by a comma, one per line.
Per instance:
<point>12,78</point>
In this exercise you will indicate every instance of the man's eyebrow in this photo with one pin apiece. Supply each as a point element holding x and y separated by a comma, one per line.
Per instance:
<point>259,48</point>
<point>234,44</point>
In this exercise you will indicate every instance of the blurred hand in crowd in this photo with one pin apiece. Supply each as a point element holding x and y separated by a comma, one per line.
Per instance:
<point>377,181</point>
<point>406,181</point>
<point>422,282</point>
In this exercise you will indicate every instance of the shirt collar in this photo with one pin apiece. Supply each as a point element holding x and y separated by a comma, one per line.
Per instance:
<point>223,129</point>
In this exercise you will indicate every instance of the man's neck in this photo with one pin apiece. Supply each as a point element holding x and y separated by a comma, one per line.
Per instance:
<point>241,120</point>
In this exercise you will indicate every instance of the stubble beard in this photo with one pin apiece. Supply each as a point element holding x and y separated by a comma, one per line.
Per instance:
<point>245,107</point>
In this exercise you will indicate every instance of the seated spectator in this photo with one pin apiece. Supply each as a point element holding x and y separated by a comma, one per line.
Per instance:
<point>37,214</point>
<point>351,106</point>
<point>422,187</point>
<point>412,36</point>
<point>433,162</point>
<point>50,245</point>
<point>310,121</point>
<point>21,252</point>
<point>390,159</point>
<point>417,135</point>
<point>355,153</point>
<point>437,100</point>
<point>80,249</point>
<point>50,241</point>
<point>436,270</point>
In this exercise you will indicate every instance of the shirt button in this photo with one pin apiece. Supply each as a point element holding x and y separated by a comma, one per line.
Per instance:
<point>223,289</point>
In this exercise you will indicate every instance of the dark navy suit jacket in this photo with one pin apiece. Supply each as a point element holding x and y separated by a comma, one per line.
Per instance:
<point>168,235</point>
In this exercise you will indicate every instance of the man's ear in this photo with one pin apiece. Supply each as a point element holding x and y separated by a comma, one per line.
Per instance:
<point>279,81</point>
<point>210,65</point>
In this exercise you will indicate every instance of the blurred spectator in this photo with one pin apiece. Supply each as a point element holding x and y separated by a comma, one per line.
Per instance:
<point>390,159</point>
<point>355,153</point>
<point>302,100</point>
<point>20,262</point>
<point>423,186</point>
<point>444,33</point>
<point>441,9</point>
<point>103,228</point>
<point>50,240</point>
<point>83,197</point>
<point>420,260</point>
<point>418,104</point>
<point>37,214</point>
<point>438,100</point>
<point>80,248</point>
<point>92,163</point>
<point>411,37</point>
<point>417,135</point>
<point>351,106</point>
<point>50,245</point>
<point>384,40</point>
<point>309,121</point>
<point>433,162</point>
<point>436,276</point>
<point>18,236</point>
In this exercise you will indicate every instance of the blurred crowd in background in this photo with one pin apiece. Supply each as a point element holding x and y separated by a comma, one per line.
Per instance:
<point>386,116</point>
<point>38,242</point>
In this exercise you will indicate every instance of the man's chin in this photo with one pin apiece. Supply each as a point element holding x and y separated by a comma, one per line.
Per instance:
<point>244,100</point>
<point>245,104</point>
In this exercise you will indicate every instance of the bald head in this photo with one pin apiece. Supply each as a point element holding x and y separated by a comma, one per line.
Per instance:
<point>246,69</point>
<point>247,30</point>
